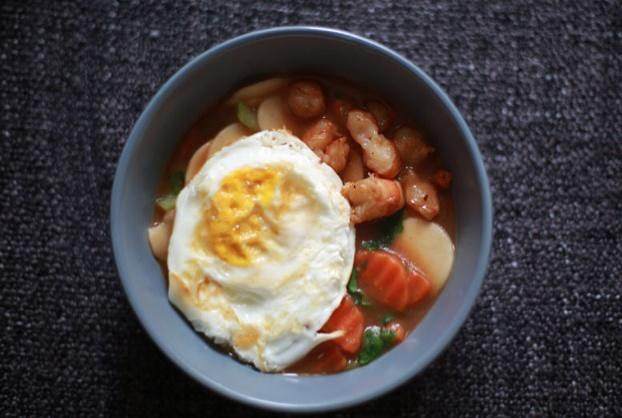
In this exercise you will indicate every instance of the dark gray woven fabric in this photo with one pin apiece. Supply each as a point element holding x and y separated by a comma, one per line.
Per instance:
<point>540,86</point>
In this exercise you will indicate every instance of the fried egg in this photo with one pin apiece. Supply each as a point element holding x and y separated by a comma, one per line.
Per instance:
<point>262,248</point>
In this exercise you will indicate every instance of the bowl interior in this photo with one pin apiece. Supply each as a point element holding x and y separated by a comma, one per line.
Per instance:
<point>207,79</point>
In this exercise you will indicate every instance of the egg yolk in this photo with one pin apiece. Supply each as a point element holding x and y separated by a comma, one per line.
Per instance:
<point>241,222</point>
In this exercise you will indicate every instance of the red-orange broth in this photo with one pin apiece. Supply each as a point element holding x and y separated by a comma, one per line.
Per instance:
<point>216,117</point>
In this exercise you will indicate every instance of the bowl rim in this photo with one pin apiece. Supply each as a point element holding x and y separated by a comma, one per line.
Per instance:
<point>482,183</point>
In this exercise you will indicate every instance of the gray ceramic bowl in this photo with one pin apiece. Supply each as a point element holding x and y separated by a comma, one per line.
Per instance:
<point>208,78</point>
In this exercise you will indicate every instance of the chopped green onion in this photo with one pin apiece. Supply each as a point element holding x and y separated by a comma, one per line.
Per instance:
<point>353,283</point>
<point>372,346</point>
<point>247,116</point>
<point>376,341</point>
<point>360,298</point>
<point>387,336</point>
<point>167,202</point>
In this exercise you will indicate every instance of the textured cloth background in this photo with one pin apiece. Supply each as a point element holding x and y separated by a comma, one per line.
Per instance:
<point>539,84</point>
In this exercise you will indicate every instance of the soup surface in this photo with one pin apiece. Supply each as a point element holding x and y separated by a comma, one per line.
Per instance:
<point>260,183</point>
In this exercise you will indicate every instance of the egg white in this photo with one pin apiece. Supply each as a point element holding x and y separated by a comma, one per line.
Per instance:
<point>269,312</point>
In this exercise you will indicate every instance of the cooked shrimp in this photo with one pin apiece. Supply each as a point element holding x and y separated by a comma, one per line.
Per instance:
<point>372,198</point>
<point>379,153</point>
<point>382,113</point>
<point>336,154</point>
<point>354,169</point>
<point>305,99</point>
<point>319,135</point>
<point>420,194</point>
<point>411,146</point>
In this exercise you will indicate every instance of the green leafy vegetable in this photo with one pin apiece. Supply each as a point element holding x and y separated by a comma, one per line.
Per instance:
<point>177,182</point>
<point>387,336</point>
<point>392,225</point>
<point>167,202</point>
<point>247,116</point>
<point>387,318</point>
<point>376,341</point>
<point>360,298</point>
<point>353,286</point>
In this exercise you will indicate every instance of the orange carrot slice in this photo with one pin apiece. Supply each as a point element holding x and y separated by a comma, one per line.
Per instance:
<point>346,317</point>
<point>419,287</point>
<point>384,277</point>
